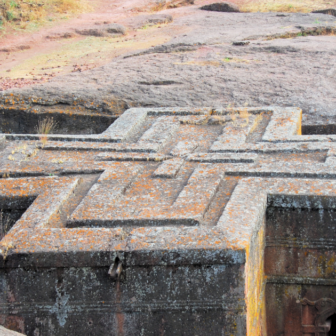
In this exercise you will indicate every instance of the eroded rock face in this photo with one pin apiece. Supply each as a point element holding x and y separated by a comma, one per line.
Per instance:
<point>222,7</point>
<point>167,222</point>
<point>202,67</point>
<point>329,11</point>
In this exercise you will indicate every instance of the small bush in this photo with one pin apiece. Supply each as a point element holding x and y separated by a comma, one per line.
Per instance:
<point>13,4</point>
<point>10,15</point>
<point>46,126</point>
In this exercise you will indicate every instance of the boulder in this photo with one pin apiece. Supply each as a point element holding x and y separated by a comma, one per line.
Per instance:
<point>222,7</point>
<point>114,28</point>
<point>103,30</point>
<point>330,11</point>
<point>7,332</point>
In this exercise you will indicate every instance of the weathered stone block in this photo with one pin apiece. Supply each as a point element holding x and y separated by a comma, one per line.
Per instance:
<point>172,221</point>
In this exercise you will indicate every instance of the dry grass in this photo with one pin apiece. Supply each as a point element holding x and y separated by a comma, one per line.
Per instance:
<point>240,117</point>
<point>161,5</point>
<point>45,127</point>
<point>20,14</point>
<point>22,153</point>
<point>289,6</point>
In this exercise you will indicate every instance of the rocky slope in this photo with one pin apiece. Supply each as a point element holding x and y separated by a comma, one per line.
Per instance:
<point>290,61</point>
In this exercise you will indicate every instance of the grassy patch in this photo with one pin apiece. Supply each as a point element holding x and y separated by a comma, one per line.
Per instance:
<point>92,51</point>
<point>289,6</point>
<point>305,32</point>
<point>149,25</point>
<point>235,60</point>
<point>23,14</point>
<point>161,5</point>
<point>216,63</point>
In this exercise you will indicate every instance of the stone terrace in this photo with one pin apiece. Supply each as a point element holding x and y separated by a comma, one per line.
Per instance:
<point>156,226</point>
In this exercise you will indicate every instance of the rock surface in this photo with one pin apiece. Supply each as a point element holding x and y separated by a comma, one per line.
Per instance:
<point>174,197</point>
<point>15,48</point>
<point>149,20</point>
<point>201,67</point>
<point>103,30</point>
<point>7,332</point>
<point>329,11</point>
<point>222,7</point>
<point>159,18</point>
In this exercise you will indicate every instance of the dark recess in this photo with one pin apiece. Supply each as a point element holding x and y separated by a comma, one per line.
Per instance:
<point>318,129</point>
<point>11,210</point>
<point>21,122</point>
<point>332,320</point>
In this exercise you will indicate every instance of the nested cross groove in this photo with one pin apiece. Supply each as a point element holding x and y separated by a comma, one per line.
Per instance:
<point>149,201</point>
<point>183,192</point>
<point>161,167</point>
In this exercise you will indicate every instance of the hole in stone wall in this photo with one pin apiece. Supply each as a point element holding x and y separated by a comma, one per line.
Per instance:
<point>21,122</point>
<point>11,210</point>
<point>318,129</point>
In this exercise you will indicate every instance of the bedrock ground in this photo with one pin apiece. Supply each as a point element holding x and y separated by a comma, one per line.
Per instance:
<point>199,66</point>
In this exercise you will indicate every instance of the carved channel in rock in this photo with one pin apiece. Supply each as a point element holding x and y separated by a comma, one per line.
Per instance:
<point>11,210</point>
<point>17,121</point>
<point>319,129</point>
